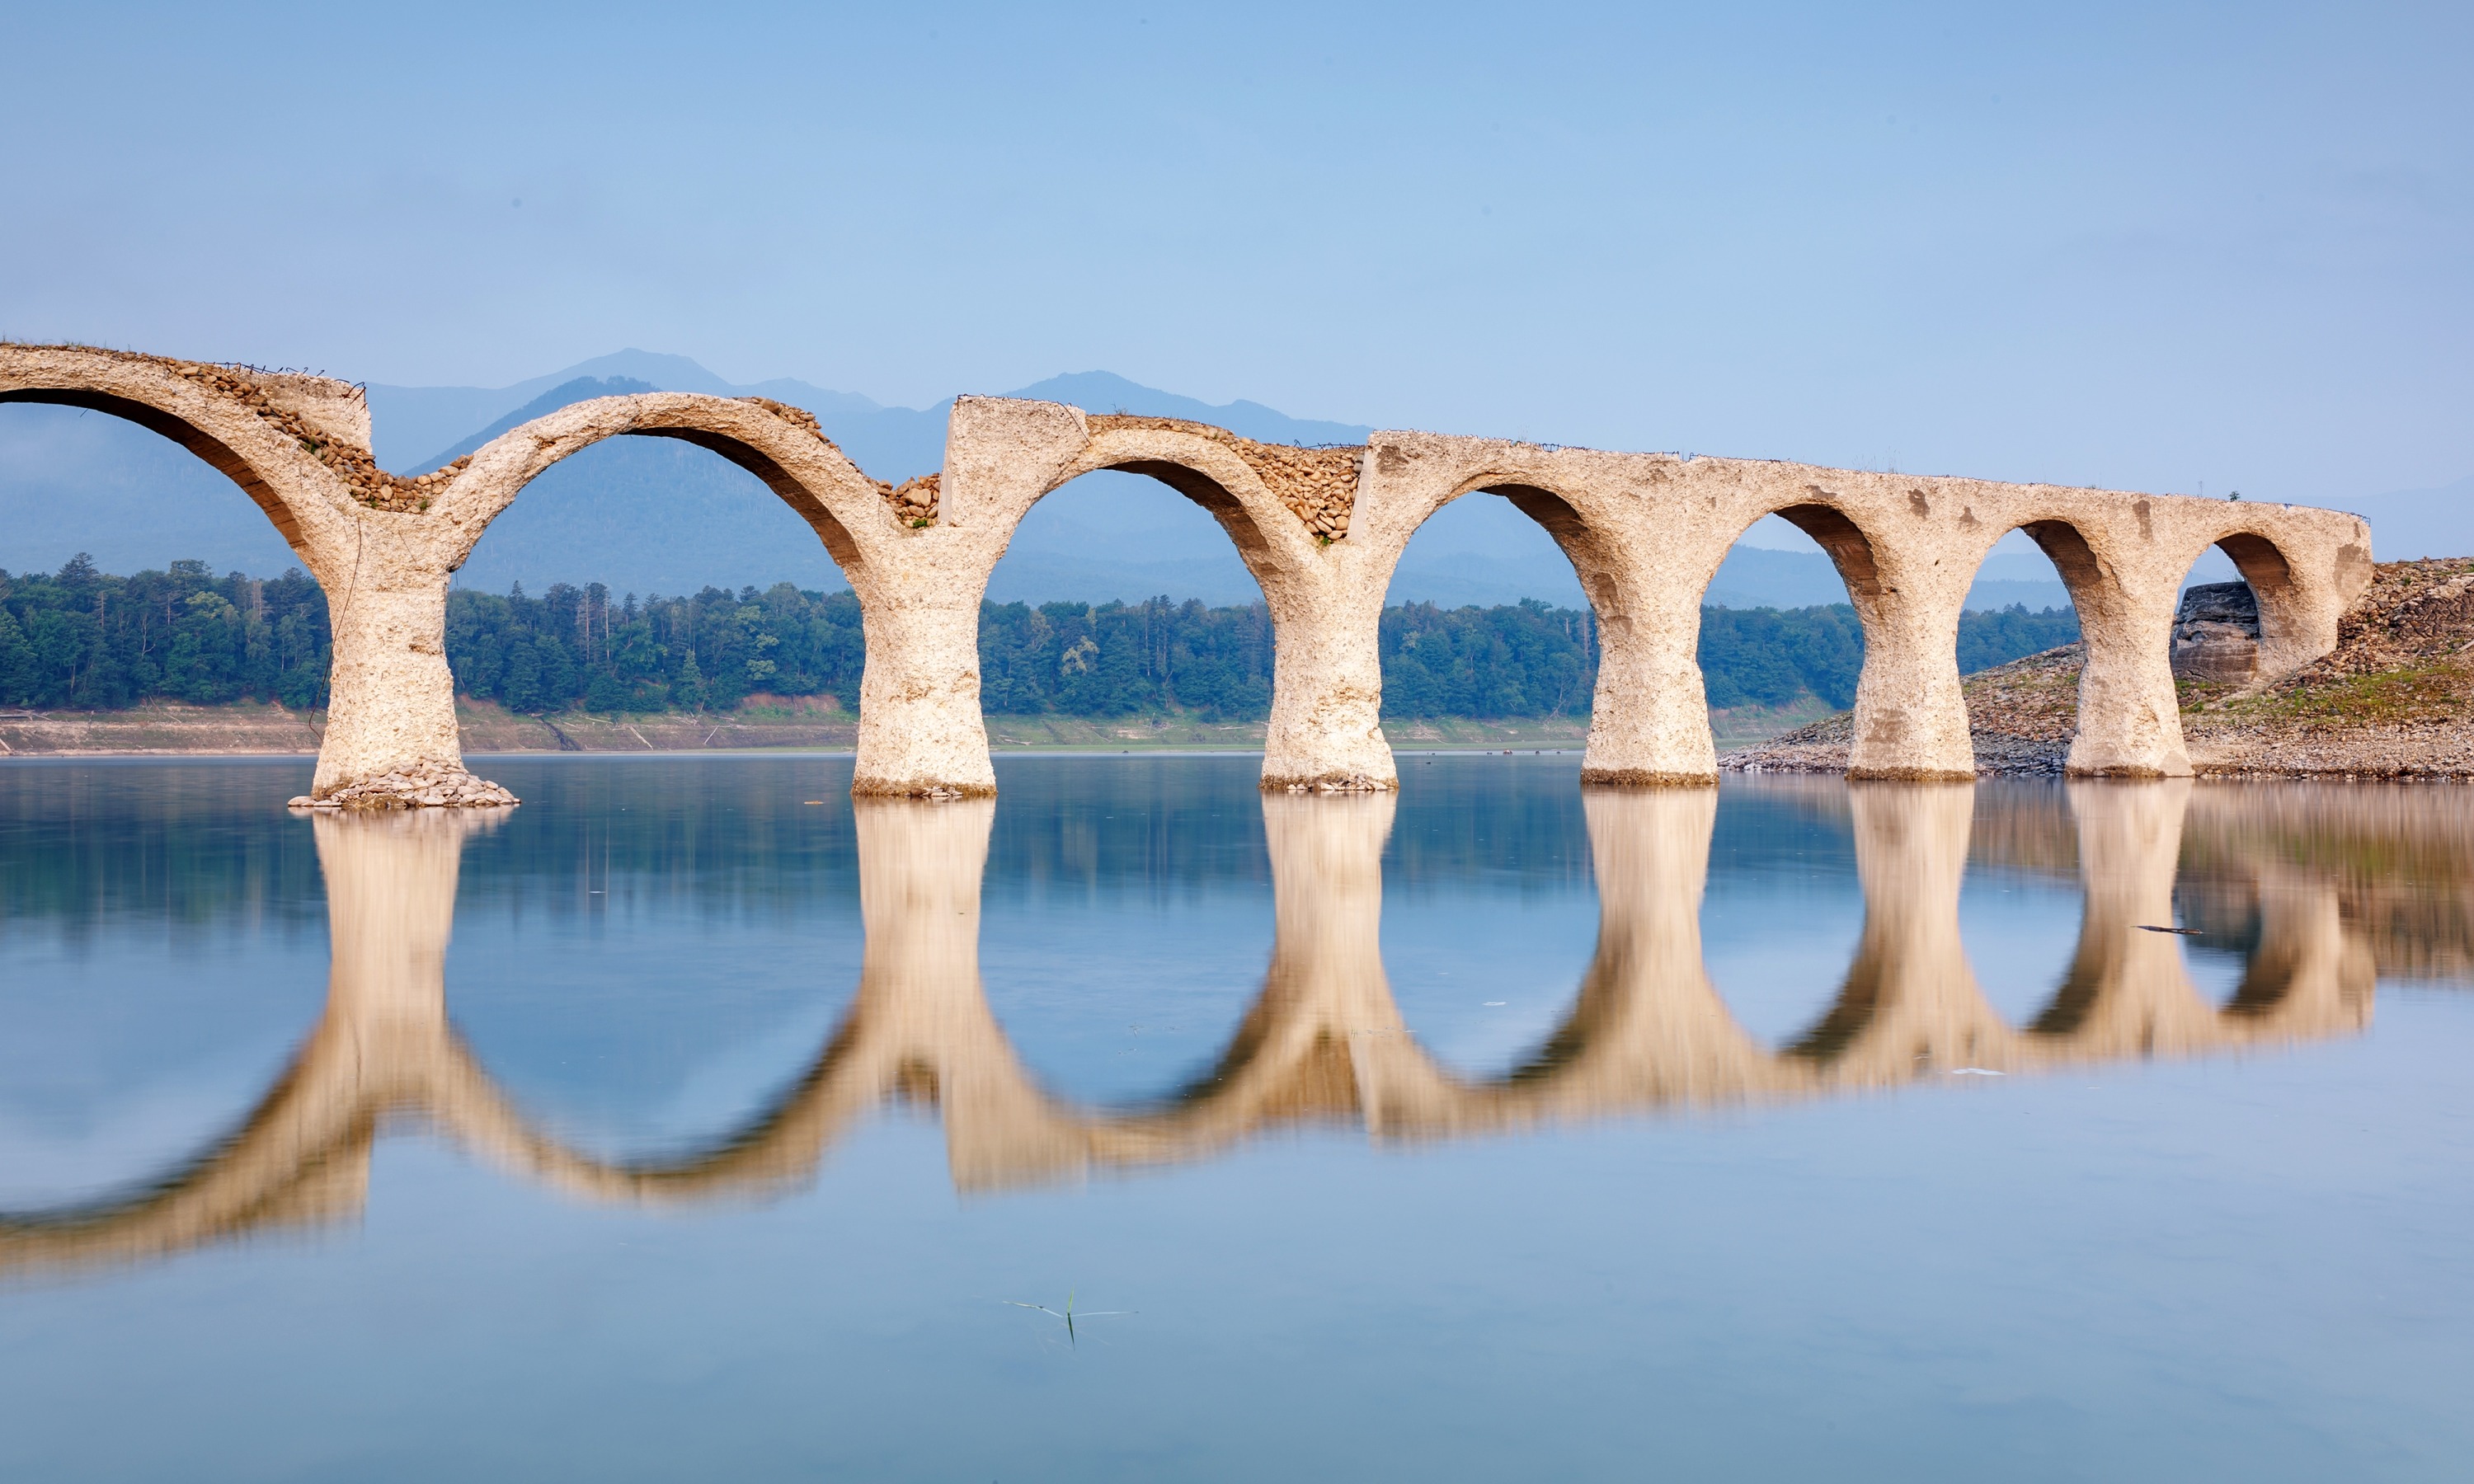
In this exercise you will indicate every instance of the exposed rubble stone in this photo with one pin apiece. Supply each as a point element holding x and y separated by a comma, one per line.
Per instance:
<point>796,416</point>
<point>427,787</point>
<point>913,500</point>
<point>1318,485</point>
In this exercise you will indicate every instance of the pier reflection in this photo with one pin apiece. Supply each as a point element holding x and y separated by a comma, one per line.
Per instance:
<point>1323,1043</point>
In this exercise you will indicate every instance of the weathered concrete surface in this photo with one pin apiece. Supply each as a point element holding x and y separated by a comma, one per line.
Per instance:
<point>1321,530</point>
<point>1324,1042</point>
<point>1646,533</point>
<point>298,446</point>
<point>1283,509</point>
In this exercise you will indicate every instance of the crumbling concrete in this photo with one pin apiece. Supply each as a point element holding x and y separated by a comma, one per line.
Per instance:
<point>1322,529</point>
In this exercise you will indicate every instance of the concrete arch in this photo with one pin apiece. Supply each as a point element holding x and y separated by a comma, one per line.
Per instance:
<point>2129,722</point>
<point>1289,511</point>
<point>1213,472</point>
<point>851,514</point>
<point>1637,654</point>
<point>247,426</point>
<point>298,446</point>
<point>2293,609</point>
<point>867,526</point>
<point>1909,720</point>
<point>1648,724</point>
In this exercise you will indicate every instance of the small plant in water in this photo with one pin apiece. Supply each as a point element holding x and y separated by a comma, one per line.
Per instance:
<point>1069,1315</point>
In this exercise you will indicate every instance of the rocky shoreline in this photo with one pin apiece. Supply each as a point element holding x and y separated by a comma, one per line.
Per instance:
<point>2394,700</point>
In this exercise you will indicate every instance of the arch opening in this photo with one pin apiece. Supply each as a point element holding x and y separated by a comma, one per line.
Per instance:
<point>141,580</point>
<point>2229,629</point>
<point>213,451</point>
<point>742,617</point>
<point>1494,621</point>
<point>1784,621</point>
<point>1114,612</point>
<point>2026,614</point>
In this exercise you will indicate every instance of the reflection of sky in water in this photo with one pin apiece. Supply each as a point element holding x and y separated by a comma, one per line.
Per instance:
<point>2236,1264</point>
<point>119,1059</point>
<point>1453,954</point>
<point>2020,931</point>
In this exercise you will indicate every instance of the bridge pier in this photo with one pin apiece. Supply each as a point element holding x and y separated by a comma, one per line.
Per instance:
<point>1326,728</point>
<point>1910,718</point>
<point>2130,717</point>
<point>1649,716</point>
<point>391,699</point>
<point>921,731</point>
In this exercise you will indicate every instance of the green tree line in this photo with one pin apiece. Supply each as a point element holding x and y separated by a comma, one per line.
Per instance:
<point>83,639</point>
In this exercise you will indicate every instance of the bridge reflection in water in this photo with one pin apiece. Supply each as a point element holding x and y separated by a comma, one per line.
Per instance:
<point>1325,1042</point>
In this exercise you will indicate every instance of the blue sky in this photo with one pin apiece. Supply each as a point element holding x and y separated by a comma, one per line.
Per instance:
<point>2140,246</point>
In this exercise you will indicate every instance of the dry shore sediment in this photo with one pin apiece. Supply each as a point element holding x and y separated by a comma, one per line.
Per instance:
<point>250,729</point>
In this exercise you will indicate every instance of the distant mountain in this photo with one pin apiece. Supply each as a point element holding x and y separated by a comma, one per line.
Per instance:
<point>1107,391</point>
<point>409,422</point>
<point>654,515</point>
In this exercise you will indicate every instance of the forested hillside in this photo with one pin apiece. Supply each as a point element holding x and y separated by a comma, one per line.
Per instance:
<point>80,639</point>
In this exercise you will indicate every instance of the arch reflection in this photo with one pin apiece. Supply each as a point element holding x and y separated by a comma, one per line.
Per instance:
<point>1323,1043</point>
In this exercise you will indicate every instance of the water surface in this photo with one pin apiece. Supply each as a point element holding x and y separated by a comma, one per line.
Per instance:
<point>690,1120</point>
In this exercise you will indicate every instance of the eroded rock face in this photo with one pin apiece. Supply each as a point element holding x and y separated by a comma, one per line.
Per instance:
<point>2216,633</point>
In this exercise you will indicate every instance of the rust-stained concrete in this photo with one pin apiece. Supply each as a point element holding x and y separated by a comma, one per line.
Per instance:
<point>1320,529</point>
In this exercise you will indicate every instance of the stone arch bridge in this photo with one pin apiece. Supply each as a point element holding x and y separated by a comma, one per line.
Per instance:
<point>1322,529</point>
<point>1324,1042</point>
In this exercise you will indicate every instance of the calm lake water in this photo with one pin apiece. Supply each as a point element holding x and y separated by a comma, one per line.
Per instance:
<point>691,1122</point>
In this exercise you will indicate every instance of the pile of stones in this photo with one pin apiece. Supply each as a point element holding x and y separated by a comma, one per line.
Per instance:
<point>797,417</point>
<point>913,500</point>
<point>423,786</point>
<point>1336,783</point>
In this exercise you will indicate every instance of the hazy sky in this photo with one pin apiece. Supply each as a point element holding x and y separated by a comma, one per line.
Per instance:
<point>2138,246</point>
